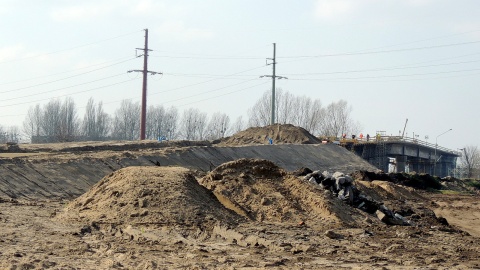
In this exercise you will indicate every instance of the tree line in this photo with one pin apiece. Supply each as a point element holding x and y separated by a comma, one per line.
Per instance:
<point>59,120</point>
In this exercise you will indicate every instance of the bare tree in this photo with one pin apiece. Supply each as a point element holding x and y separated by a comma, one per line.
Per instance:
<point>238,126</point>
<point>69,122</point>
<point>3,135</point>
<point>90,120</point>
<point>96,123</point>
<point>337,119</point>
<point>299,111</point>
<point>103,122</point>
<point>218,126</point>
<point>32,122</point>
<point>51,121</point>
<point>58,121</point>
<point>284,106</point>
<point>171,123</point>
<point>470,160</point>
<point>13,134</point>
<point>259,114</point>
<point>193,124</point>
<point>155,126</point>
<point>126,124</point>
<point>307,114</point>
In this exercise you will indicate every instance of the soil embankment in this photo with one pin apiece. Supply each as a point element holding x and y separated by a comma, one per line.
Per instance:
<point>71,171</point>
<point>198,205</point>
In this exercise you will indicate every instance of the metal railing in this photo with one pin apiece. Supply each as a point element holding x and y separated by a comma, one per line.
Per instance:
<point>387,139</point>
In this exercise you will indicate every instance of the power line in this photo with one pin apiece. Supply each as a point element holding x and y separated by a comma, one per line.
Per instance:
<point>66,78</point>
<point>243,89</point>
<point>422,40</point>
<point>380,52</point>
<point>210,76</point>
<point>69,49</point>
<point>210,58</point>
<point>387,76</point>
<point>68,71</point>
<point>382,69</point>
<point>209,91</point>
<point>79,92</point>
<point>222,76</point>
<point>63,88</point>
<point>186,86</point>
<point>236,56</point>
<point>404,80</point>
<point>195,84</point>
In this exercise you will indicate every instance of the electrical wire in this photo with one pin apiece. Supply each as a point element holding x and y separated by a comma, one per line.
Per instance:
<point>210,76</point>
<point>385,76</point>
<point>404,80</point>
<point>68,71</point>
<point>195,84</point>
<point>70,94</point>
<point>69,49</point>
<point>422,40</point>
<point>66,78</point>
<point>209,58</point>
<point>380,69</point>
<point>210,91</point>
<point>63,88</point>
<point>379,52</point>
<point>243,89</point>
<point>185,86</point>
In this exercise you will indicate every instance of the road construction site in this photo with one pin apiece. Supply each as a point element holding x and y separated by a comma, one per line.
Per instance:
<point>237,203</point>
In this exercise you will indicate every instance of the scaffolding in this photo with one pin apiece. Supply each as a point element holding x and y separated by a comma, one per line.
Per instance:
<point>380,150</point>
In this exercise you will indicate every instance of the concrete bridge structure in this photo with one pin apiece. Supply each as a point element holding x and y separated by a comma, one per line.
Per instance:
<point>401,154</point>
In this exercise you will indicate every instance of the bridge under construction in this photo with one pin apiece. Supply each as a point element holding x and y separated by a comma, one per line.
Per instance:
<point>402,154</point>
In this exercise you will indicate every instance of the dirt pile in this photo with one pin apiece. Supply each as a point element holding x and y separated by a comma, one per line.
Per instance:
<point>404,201</point>
<point>280,134</point>
<point>149,195</point>
<point>415,180</point>
<point>261,191</point>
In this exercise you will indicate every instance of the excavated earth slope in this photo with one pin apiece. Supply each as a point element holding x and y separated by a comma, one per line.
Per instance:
<point>249,213</point>
<point>279,134</point>
<point>67,170</point>
<point>150,195</point>
<point>67,173</point>
<point>261,191</point>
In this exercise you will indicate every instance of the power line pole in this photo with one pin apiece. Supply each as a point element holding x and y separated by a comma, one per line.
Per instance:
<point>273,76</point>
<point>145,71</point>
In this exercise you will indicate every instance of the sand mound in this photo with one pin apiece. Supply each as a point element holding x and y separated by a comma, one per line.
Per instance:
<point>384,190</point>
<point>280,134</point>
<point>413,179</point>
<point>261,191</point>
<point>150,195</point>
<point>402,200</point>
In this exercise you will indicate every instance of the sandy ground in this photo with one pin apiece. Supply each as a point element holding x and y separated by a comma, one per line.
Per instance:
<point>31,239</point>
<point>243,214</point>
<point>460,210</point>
<point>169,221</point>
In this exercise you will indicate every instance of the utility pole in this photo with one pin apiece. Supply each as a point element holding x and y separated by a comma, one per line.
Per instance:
<point>273,76</point>
<point>145,71</point>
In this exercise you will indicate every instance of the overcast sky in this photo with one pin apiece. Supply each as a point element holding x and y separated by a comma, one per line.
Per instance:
<point>390,60</point>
